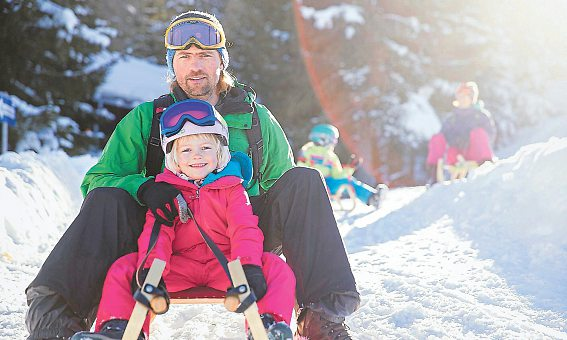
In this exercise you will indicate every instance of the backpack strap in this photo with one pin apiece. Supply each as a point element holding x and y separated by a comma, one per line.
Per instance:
<point>154,154</point>
<point>256,145</point>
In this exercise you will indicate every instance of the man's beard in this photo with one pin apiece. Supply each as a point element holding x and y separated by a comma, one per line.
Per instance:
<point>202,91</point>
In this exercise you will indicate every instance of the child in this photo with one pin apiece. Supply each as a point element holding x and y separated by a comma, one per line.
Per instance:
<point>199,164</point>
<point>319,154</point>
<point>468,131</point>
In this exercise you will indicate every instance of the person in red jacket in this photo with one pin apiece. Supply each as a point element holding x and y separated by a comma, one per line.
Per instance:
<point>210,178</point>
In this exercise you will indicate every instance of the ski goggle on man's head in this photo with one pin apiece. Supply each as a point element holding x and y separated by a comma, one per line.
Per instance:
<point>201,32</point>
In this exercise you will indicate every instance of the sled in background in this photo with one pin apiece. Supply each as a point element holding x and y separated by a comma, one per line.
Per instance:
<point>344,197</point>
<point>197,295</point>
<point>459,170</point>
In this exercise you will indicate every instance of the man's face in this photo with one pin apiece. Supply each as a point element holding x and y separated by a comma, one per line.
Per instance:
<point>198,72</point>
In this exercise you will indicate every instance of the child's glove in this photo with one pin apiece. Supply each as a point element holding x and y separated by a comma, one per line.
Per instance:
<point>256,280</point>
<point>159,197</point>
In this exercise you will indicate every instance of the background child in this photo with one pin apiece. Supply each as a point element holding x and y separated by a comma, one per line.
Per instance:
<point>468,131</point>
<point>319,153</point>
<point>200,166</point>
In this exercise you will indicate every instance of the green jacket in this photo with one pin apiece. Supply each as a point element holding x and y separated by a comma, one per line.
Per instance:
<point>123,160</point>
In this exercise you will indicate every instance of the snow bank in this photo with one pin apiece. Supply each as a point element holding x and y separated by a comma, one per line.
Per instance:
<point>513,212</point>
<point>39,197</point>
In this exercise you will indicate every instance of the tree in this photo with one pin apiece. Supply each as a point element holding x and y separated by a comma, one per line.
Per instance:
<point>54,60</point>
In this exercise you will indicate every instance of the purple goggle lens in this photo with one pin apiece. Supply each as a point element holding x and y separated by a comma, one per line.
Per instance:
<point>193,110</point>
<point>180,34</point>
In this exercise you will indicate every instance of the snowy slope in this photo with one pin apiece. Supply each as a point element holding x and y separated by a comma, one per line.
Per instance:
<point>483,258</point>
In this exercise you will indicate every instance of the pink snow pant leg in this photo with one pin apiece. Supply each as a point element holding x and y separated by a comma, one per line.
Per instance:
<point>436,147</point>
<point>479,149</point>
<point>117,301</point>
<point>280,296</point>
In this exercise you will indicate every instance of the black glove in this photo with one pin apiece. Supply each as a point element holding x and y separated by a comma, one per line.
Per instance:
<point>256,280</point>
<point>159,197</point>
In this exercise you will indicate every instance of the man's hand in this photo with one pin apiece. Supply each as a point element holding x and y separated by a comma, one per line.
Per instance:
<point>159,198</point>
<point>256,280</point>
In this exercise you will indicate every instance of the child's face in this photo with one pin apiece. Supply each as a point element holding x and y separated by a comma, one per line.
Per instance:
<point>464,99</point>
<point>196,156</point>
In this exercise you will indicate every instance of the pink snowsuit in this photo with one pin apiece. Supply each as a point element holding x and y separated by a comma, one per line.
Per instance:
<point>223,210</point>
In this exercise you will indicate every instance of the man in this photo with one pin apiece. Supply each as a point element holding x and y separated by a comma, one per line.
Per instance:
<point>63,297</point>
<point>467,132</point>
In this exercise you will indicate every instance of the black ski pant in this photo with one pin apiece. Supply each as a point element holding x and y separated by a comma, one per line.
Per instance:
<point>295,217</point>
<point>63,297</point>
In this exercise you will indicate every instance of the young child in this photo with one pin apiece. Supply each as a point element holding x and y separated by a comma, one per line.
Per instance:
<point>468,131</point>
<point>199,164</point>
<point>319,154</point>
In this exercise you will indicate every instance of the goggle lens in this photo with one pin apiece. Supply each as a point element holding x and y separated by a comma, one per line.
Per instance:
<point>182,33</point>
<point>175,116</point>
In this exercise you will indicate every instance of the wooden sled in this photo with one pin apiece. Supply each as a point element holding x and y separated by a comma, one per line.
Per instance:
<point>457,171</point>
<point>197,295</point>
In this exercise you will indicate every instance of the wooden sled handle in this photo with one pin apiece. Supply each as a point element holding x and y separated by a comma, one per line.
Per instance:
<point>235,268</point>
<point>254,321</point>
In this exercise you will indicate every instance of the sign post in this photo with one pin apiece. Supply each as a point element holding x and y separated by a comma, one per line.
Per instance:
<point>7,117</point>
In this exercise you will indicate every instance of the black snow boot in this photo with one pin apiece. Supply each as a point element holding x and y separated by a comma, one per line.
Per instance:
<point>377,198</point>
<point>275,330</point>
<point>312,325</point>
<point>111,330</point>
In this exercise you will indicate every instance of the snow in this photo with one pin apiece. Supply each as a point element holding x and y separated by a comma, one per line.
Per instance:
<point>481,258</point>
<point>131,81</point>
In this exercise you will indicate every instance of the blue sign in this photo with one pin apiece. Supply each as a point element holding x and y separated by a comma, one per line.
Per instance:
<point>7,110</point>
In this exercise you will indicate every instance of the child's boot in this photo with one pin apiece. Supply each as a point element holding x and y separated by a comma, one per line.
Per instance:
<point>111,330</point>
<point>276,330</point>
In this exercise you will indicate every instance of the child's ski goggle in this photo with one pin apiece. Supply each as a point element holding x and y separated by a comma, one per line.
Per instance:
<point>201,32</point>
<point>193,110</point>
